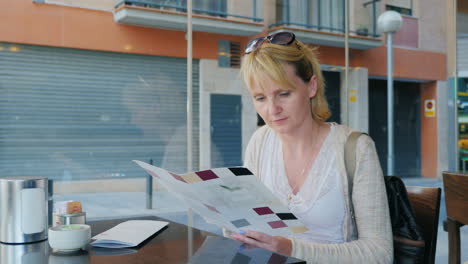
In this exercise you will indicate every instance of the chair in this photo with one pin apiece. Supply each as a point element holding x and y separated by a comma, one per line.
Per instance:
<point>456,201</point>
<point>426,206</point>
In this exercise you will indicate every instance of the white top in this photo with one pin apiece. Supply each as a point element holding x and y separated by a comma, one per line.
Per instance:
<point>319,204</point>
<point>367,237</point>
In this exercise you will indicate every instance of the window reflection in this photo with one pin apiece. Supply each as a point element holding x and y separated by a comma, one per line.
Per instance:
<point>70,114</point>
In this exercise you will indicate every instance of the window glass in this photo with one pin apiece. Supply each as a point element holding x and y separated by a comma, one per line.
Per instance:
<point>401,10</point>
<point>315,14</point>
<point>70,114</point>
<point>79,118</point>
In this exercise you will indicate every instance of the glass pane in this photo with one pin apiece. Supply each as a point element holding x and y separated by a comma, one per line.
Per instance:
<point>89,119</point>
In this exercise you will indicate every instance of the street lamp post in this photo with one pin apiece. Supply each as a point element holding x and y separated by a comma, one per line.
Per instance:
<point>389,22</point>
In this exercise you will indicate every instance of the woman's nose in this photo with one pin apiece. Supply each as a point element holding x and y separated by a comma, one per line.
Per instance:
<point>274,107</point>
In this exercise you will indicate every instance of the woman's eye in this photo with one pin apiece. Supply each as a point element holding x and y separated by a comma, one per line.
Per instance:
<point>287,93</point>
<point>259,98</point>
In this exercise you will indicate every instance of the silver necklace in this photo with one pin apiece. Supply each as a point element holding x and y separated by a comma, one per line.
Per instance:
<point>306,168</point>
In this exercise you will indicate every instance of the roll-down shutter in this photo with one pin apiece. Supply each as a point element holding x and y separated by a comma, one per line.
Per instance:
<point>77,114</point>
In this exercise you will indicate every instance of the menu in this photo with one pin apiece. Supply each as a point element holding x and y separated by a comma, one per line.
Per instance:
<point>232,198</point>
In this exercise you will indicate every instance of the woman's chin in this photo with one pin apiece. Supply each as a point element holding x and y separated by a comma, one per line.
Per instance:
<point>281,129</point>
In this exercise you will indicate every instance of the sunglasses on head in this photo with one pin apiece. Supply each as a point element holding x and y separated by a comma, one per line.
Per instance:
<point>281,38</point>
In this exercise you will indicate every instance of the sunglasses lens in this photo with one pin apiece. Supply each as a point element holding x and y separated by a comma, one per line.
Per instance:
<point>282,38</point>
<point>253,44</point>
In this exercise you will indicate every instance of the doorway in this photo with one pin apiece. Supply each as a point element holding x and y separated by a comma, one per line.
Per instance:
<point>226,130</point>
<point>407,125</point>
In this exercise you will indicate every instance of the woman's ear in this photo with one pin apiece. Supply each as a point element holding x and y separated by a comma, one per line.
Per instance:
<point>312,86</point>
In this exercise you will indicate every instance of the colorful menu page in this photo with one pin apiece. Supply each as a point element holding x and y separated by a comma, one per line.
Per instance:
<point>232,198</point>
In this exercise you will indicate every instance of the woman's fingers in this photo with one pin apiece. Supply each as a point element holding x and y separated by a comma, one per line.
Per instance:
<point>259,236</point>
<point>245,246</point>
<point>252,242</point>
<point>256,239</point>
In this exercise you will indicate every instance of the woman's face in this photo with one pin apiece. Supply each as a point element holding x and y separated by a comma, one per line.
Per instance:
<point>283,109</point>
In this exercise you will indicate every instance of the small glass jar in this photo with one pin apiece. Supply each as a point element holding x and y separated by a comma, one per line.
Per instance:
<point>68,219</point>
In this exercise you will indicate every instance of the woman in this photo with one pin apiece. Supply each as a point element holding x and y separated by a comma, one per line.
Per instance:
<point>300,158</point>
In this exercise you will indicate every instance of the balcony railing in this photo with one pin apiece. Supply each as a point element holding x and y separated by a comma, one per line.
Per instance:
<point>215,8</point>
<point>328,16</point>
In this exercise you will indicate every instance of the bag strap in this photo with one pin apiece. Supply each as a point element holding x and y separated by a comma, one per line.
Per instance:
<point>350,157</point>
<point>350,165</point>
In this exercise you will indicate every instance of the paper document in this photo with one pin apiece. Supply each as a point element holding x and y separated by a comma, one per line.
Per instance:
<point>128,234</point>
<point>232,198</point>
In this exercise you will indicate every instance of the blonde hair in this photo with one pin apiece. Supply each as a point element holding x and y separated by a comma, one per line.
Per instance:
<point>268,62</point>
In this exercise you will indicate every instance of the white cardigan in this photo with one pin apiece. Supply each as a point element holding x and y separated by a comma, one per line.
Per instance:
<point>375,242</point>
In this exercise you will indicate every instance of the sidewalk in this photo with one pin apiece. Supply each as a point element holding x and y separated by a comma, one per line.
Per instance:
<point>130,204</point>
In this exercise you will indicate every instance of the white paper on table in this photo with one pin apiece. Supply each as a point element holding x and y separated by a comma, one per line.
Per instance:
<point>128,234</point>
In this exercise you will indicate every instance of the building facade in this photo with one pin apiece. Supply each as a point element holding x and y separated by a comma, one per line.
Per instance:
<point>87,86</point>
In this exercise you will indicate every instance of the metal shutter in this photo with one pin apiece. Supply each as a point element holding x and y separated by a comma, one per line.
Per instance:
<point>75,114</point>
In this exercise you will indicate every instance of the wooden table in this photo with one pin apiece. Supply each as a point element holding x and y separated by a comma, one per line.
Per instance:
<point>456,201</point>
<point>175,244</point>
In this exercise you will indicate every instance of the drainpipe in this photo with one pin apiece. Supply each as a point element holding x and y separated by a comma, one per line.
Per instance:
<point>189,85</point>
<point>346,24</point>
<point>189,117</point>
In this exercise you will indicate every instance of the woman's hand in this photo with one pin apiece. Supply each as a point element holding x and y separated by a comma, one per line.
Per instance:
<point>258,239</point>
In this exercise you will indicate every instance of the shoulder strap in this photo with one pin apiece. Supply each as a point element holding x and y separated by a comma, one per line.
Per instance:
<point>350,165</point>
<point>350,157</point>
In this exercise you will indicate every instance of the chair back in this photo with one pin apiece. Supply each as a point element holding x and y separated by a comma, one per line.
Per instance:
<point>456,196</point>
<point>426,206</point>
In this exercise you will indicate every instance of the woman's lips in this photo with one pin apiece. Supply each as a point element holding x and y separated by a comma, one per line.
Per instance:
<point>280,120</point>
